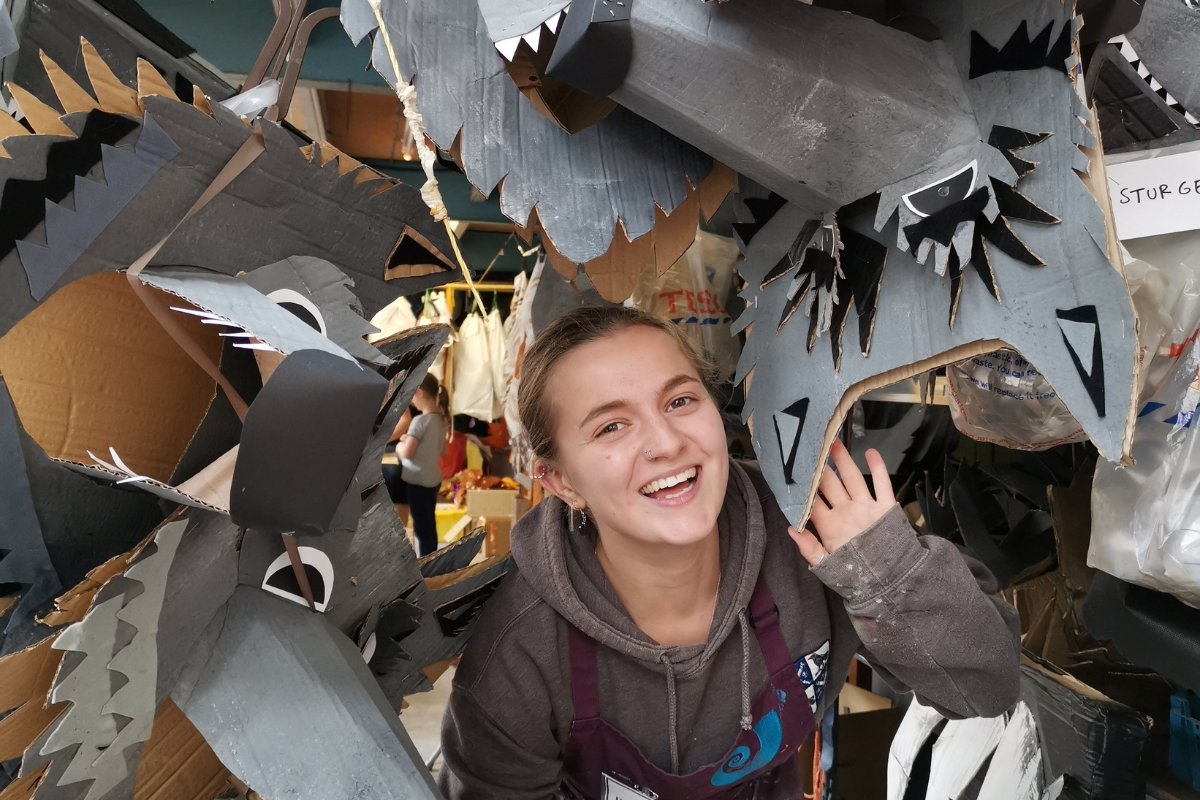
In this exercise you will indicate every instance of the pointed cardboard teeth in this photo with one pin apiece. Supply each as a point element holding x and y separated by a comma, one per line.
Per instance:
<point>534,38</point>
<point>150,82</point>
<point>114,96</point>
<point>552,23</point>
<point>71,95</point>
<point>508,47</point>
<point>41,117</point>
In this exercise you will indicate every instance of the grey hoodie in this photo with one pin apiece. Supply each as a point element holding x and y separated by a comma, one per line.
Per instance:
<point>918,610</point>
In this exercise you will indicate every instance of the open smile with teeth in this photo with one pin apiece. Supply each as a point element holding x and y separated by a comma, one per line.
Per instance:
<point>660,488</point>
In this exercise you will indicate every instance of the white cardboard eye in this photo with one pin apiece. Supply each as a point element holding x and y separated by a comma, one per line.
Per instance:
<point>292,297</point>
<point>972,167</point>
<point>313,558</point>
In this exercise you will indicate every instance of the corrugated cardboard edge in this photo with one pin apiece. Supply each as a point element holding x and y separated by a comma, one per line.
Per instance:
<point>156,488</point>
<point>615,273</point>
<point>856,391</point>
<point>176,762</point>
<point>1096,182</point>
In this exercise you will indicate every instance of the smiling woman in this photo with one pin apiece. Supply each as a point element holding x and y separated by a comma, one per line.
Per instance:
<point>619,661</point>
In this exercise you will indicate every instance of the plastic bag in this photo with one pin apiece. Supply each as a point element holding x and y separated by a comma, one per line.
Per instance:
<point>1000,397</point>
<point>694,294</point>
<point>1146,517</point>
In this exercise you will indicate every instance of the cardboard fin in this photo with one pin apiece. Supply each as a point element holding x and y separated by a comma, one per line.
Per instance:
<point>10,127</point>
<point>23,726</point>
<point>151,82</point>
<point>41,117</point>
<point>114,96</point>
<point>71,95</point>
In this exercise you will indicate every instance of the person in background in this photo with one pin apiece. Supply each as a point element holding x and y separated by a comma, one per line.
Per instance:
<point>418,447</point>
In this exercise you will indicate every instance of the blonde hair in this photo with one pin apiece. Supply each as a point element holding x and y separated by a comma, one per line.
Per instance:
<point>568,331</point>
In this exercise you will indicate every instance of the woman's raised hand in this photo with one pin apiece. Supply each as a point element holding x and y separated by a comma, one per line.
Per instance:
<point>845,507</point>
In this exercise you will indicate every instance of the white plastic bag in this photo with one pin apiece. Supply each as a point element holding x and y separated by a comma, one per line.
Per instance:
<point>1146,517</point>
<point>1000,397</point>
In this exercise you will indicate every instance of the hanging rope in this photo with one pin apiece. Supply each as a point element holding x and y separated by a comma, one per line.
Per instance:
<point>430,192</point>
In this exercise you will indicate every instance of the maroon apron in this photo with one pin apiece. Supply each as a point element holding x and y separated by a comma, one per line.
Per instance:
<point>601,763</point>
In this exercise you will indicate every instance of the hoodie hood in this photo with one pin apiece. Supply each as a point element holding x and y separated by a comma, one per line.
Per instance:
<point>560,565</point>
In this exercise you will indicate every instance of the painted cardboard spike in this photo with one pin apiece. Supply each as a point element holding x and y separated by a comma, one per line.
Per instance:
<point>70,232</point>
<point>301,442</point>
<point>239,695</point>
<point>625,166</point>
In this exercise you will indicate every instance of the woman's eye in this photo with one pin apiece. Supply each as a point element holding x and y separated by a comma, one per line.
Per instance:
<point>680,402</point>
<point>612,427</point>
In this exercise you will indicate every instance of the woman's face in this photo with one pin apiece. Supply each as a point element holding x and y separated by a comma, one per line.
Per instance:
<point>639,441</point>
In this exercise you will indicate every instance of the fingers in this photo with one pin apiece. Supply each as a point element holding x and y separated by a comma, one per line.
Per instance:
<point>849,472</point>
<point>810,547</point>
<point>831,486</point>
<point>880,477</point>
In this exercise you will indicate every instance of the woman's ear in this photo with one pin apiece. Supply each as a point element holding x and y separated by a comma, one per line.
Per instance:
<point>557,484</point>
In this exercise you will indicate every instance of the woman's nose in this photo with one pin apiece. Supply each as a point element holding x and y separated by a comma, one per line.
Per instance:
<point>662,439</point>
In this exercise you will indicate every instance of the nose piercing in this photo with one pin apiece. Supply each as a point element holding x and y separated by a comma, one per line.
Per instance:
<point>649,455</point>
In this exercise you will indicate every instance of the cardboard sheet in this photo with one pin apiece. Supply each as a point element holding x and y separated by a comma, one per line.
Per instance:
<point>301,442</point>
<point>24,559</point>
<point>69,232</point>
<point>1071,318</point>
<point>864,107</point>
<point>108,717</point>
<point>241,697</point>
<point>236,309</point>
<point>623,167</point>
<point>331,304</point>
<point>68,368</point>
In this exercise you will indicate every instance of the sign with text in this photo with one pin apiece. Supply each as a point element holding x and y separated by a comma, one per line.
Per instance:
<point>1155,195</point>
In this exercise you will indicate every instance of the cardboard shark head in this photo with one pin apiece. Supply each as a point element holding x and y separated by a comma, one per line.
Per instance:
<point>228,388</point>
<point>1040,279</point>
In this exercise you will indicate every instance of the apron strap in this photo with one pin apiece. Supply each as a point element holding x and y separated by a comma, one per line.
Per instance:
<point>584,692</point>
<point>764,618</point>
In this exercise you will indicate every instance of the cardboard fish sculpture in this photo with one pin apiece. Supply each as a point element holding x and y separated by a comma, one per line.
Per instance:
<point>1005,245</point>
<point>195,526</point>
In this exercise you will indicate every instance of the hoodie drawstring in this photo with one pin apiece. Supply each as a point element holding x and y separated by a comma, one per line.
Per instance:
<point>672,713</point>
<point>744,624</point>
<point>673,702</point>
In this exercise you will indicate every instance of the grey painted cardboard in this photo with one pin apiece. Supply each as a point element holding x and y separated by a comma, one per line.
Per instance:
<point>911,330</point>
<point>107,717</point>
<point>1167,38</point>
<point>283,690</point>
<point>281,206</point>
<point>555,295</point>
<point>328,288</point>
<point>69,231</point>
<point>203,575</point>
<point>239,302</point>
<point>619,168</point>
<point>820,106</point>
<point>24,558</point>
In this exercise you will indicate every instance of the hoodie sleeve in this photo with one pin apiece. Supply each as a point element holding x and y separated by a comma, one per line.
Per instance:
<point>927,619</point>
<point>484,760</point>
